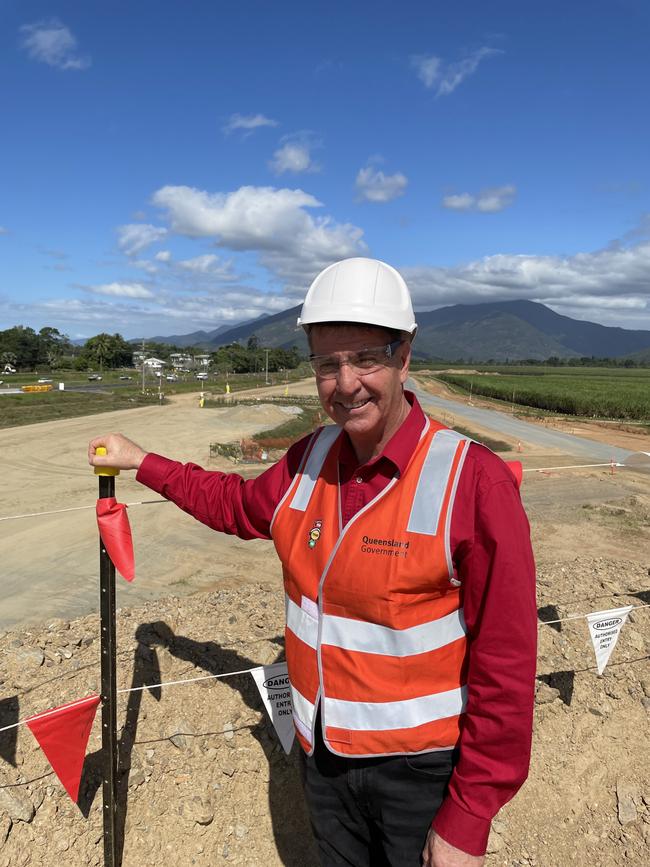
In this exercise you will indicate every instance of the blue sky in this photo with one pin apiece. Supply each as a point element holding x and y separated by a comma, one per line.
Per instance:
<point>176,166</point>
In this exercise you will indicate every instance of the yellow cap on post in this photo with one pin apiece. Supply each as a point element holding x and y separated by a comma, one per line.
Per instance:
<point>105,471</point>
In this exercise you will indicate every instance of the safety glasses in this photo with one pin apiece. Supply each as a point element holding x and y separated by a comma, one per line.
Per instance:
<point>363,362</point>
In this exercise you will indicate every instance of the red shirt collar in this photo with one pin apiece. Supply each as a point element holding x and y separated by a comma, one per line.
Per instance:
<point>400,446</point>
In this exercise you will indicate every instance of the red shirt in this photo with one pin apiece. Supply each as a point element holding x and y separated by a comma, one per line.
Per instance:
<point>490,543</point>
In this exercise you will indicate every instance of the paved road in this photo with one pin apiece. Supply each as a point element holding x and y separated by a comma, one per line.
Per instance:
<point>503,423</point>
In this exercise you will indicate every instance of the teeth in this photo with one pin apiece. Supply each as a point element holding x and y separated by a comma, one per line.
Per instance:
<point>355,405</point>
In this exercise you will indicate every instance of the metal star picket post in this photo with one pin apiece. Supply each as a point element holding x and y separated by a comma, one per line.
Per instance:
<point>108,678</point>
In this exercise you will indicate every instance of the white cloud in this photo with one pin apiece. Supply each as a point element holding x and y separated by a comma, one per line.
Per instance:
<point>488,201</point>
<point>609,286</point>
<point>293,156</point>
<point>247,122</point>
<point>459,202</point>
<point>145,265</point>
<point>433,72</point>
<point>134,237</point>
<point>247,219</point>
<point>496,199</point>
<point>53,43</point>
<point>208,264</point>
<point>121,290</point>
<point>4,230</point>
<point>163,256</point>
<point>372,185</point>
<point>427,69</point>
<point>167,313</point>
<point>275,223</point>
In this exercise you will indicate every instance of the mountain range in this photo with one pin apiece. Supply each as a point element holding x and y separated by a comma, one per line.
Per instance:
<point>495,331</point>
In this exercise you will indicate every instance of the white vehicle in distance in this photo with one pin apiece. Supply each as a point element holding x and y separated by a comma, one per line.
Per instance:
<point>202,376</point>
<point>124,376</point>
<point>43,381</point>
<point>171,377</point>
<point>94,377</point>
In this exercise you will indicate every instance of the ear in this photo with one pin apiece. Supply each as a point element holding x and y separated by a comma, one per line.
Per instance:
<point>404,353</point>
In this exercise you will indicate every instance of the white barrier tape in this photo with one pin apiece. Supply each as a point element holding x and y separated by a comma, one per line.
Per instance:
<point>579,616</point>
<point>249,670</point>
<point>76,509</point>
<point>140,689</point>
<point>570,467</point>
<point>153,502</point>
<point>187,680</point>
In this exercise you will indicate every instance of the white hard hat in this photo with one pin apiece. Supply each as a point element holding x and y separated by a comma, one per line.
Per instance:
<point>359,290</point>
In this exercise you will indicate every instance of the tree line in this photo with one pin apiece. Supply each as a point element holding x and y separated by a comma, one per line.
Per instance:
<point>26,350</point>
<point>253,358</point>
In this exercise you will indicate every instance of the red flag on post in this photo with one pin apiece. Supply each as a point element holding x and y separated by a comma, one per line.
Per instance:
<point>62,734</point>
<point>115,531</point>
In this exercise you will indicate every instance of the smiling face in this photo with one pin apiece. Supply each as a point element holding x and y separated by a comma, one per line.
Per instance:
<point>369,407</point>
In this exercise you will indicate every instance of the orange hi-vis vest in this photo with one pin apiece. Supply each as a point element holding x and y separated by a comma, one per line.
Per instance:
<point>375,632</point>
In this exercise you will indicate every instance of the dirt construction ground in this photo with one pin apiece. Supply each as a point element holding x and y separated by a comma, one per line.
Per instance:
<point>203,779</point>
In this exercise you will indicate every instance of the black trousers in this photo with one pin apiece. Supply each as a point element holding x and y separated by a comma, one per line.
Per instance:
<point>373,812</point>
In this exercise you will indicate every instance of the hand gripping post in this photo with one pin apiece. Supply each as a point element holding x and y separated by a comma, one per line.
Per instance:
<point>108,677</point>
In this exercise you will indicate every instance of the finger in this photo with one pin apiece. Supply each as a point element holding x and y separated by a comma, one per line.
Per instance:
<point>98,442</point>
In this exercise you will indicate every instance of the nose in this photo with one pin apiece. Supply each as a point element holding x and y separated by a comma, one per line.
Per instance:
<point>347,379</point>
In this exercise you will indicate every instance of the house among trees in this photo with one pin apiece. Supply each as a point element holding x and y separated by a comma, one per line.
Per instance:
<point>154,363</point>
<point>179,360</point>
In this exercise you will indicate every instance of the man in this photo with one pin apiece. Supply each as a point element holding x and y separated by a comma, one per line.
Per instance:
<point>409,582</point>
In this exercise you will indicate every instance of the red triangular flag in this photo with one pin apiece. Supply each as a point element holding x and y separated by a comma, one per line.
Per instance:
<point>115,531</point>
<point>517,471</point>
<point>62,734</point>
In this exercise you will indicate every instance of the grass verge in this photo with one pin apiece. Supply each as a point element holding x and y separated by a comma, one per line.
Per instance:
<point>22,409</point>
<point>493,444</point>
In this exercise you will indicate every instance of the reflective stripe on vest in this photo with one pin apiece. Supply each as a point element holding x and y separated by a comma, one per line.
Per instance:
<point>312,469</point>
<point>427,505</point>
<point>367,637</point>
<point>386,715</point>
<point>304,713</point>
<point>375,631</point>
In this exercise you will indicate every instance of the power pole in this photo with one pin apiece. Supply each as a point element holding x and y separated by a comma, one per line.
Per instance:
<point>143,365</point>
<point>267,366</point>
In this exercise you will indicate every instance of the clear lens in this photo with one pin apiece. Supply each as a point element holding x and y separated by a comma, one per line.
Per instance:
<point>362,363</point>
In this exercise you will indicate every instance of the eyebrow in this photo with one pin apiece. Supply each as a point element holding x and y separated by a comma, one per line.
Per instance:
<point>392,345</point>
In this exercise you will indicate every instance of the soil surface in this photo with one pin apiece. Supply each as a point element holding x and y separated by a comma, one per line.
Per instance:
<point>203,779</point>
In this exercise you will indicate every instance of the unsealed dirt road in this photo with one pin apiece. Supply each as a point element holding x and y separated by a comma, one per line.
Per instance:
<point>50,563</point>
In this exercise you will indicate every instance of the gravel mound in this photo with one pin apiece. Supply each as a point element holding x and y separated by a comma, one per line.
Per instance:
<point>203,779</point>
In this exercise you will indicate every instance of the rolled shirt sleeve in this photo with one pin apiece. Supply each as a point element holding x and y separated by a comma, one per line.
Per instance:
<point>223,501</point>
